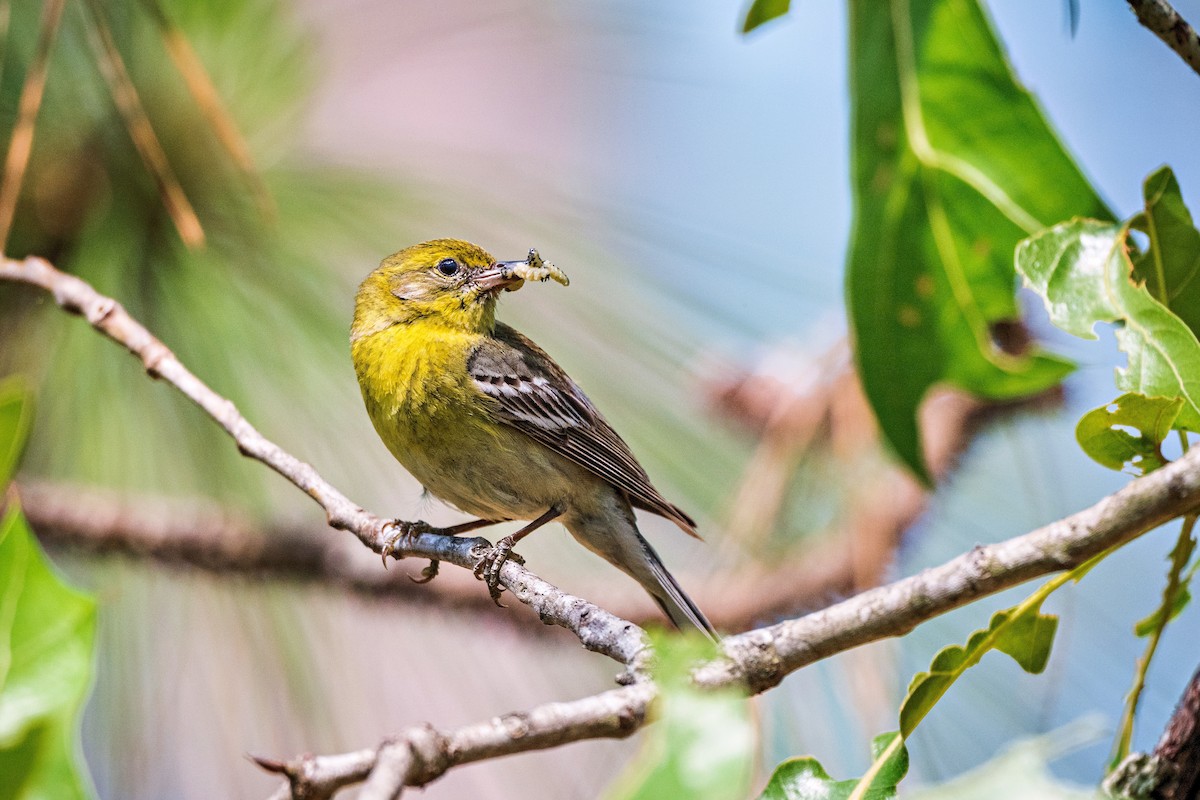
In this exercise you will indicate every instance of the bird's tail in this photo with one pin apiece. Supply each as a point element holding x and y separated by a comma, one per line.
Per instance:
<point>613,535</point>
<point>667,592</point>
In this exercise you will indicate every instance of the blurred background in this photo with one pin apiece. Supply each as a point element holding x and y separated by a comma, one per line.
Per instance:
<point>694,183</point>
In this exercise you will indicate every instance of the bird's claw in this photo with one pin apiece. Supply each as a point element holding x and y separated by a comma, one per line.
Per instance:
<point>405,533</point>
<point>487,568</point>
<point>427,574</point>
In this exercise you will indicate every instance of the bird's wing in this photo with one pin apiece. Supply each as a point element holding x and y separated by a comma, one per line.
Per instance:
<point>535,396</point>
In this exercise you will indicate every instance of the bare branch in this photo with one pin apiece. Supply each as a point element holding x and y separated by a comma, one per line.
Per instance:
<point>1164,21</point>
<point>597,629</point>
<point>422,754</point>
<point>761,658</point>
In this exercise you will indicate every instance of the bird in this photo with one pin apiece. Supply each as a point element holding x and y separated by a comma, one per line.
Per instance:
<point>487,422</point>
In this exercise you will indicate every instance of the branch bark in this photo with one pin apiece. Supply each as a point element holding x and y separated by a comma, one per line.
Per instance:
<point>423,753</point>
<point>759,659</point>
<point>755,661</point>
<point>1164,21</point>
<point>1178,751</point>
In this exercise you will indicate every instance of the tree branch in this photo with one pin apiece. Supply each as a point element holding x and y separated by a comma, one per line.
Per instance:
<point>422,753</point>
<point>597,629</point>
<point>1164,21</point>
<point>756,660</point>
<point>1178,751</point>
<point>760,658</point>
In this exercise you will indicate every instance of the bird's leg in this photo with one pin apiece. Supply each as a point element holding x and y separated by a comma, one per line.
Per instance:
<point>467,527</point>
<point>487,569</point>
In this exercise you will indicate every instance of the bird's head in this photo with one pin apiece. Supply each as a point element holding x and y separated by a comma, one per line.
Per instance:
<point>446,281</point>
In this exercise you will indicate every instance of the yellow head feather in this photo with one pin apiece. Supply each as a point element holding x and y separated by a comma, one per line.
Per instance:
<point>432,281</point>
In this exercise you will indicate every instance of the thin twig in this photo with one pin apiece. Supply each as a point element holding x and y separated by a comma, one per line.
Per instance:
<point>21,143</point>
<point>1164,21</point>
<point>129,104</point>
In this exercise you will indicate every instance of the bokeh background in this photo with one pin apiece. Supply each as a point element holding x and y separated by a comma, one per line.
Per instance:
<point>694,183</point>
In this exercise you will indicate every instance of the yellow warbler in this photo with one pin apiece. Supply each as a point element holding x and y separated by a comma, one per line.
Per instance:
<point>488,423</point>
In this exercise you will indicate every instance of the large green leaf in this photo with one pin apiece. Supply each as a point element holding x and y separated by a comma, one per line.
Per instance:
<point>703,747</point>
<point>46,635</point>
<point>1170,266</point>
<point>1105,433</point>
<point>1082,270</point>
<point>953,165</point>
<point>805,779</point>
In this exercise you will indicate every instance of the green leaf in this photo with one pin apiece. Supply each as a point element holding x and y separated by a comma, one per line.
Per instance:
<point>46,637</point>
<point>805,778</point>
<point>1170,267</point>
<point>1083,272</point>
<point>16,416</point>
<point>1022,632</point>
<point>953,165</point>
<point>763,11</point>
<point>1103,434</point>
<point>704,744</point>
<point>1149,624</point>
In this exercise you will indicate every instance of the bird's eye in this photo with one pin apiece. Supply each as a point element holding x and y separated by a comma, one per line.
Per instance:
<point>448,267</point>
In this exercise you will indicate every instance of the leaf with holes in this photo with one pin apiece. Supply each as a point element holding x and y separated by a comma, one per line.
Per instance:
<point>1083,272</point>
<point>1107,434</point>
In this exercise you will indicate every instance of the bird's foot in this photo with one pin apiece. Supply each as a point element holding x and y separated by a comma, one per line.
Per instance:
<point>487,568</point>
<point>427,574</point>
<point>404,534</point>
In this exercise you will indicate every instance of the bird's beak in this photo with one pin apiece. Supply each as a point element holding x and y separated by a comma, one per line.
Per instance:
<point>500,275</point>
